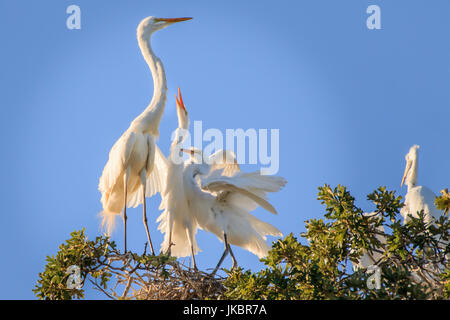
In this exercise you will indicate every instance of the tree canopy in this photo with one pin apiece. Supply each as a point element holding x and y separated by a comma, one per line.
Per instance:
<point>410,260</point>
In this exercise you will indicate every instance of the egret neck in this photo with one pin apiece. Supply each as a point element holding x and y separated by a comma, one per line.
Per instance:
<point>148,121</point>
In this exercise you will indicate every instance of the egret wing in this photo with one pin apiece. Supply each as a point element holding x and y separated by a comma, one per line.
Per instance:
<point>226,160</point>
<point>252,181</point>
<point>155,180</point>
<point>118,160</point>
<point>251,185</point>
<point>226,189</point>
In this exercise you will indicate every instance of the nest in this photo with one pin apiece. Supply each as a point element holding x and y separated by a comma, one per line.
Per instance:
<point>181,284</point>
<point>156,279</point>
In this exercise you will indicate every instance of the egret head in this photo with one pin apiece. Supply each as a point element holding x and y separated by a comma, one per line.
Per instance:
<point>410,174</point>
<point>196,154</point>
<point>183,118</point>
<point>151,24</point>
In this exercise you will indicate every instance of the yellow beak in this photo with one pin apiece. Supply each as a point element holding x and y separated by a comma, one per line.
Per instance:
<point>408,166</point>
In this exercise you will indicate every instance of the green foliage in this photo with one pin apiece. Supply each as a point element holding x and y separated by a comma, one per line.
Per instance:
<point>443,201</point>
<point>98,261</point>
<point>120,276</point>
<point>79,251</point>
<point>412,260</point>
<point>413,263</point>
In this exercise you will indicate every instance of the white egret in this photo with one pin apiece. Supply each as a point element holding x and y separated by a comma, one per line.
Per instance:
<point>222,204</point>
<point>136,168</point>
<point>417,198</point>
<point>175,221</point>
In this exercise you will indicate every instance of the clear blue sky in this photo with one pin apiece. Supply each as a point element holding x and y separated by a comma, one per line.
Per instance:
<point>349,102</point>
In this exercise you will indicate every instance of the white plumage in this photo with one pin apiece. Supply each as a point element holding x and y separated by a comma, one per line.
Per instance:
<point>221,204</point>
<point>213,195</point>
<point>418,197</point>
<point>136,167</point>
<point>175,221</point>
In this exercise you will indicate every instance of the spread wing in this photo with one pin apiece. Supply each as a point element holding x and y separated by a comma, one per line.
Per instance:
<point>226,160</point>
<point>253,186</point>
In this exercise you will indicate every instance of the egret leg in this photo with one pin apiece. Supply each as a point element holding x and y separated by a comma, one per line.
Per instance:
<point>125,183</point>
<point>145,220</point>
<point>194,264</point>
<point>169,252</point>
<point>227,249</point>
<point>235,264</point>
<point>189,235</point>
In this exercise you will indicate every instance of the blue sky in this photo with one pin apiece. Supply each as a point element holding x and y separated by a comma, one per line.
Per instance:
<point>349,102</point>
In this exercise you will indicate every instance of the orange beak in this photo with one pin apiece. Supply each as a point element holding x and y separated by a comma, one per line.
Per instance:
<point>180,102</point>
<point>172,20</point>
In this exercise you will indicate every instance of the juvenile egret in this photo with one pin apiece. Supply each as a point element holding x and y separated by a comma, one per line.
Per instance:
<point>175,221</point>
<point>221,204</point>
<point>136,167</point>
<point>418,197</point>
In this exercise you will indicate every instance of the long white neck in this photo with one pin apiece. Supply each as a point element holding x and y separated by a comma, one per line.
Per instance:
<point>148,121</point>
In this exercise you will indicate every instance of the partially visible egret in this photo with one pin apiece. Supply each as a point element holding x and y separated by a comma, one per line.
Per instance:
<point>417,198</point>
<point>372,258</point>
<point>176,222</point>
<point>221,204</point>
<point>136,167</point>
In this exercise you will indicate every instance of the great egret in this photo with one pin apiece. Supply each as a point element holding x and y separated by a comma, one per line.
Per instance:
<point>175,221</point>
<point>222,204</point>
<point>136,167</point>
<point>417,198</point>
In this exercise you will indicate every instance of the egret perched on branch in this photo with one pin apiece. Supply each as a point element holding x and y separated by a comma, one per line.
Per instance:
<point>221,204</point>
<point>136,167</point>
<point>417,198</point>
<point>175,221</point>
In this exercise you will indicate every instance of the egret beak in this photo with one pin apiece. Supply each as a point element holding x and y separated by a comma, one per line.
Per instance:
<point>408,166</point>
<point>171,20</point>
<point>180,102</point>
<point>185,150</point>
